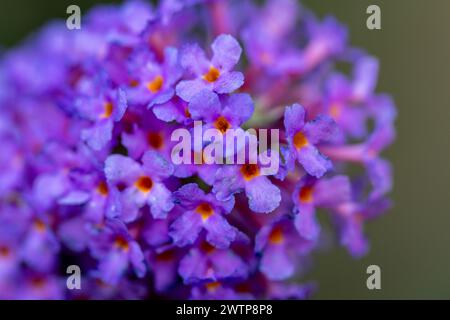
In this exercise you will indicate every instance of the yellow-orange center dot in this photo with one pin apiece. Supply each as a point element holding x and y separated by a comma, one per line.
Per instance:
<point>101,283</point>
<point>38,282</point>
<point>39,225</point>
<point>187,113</point>
<point>335,111</point>
<point>156,84</point>
<point>144,184</point>
<point>300,140</point>
<point>4,251</point>
<point>167,255</point>
<point>102,188</point>
<point>266,57</point>
<point>250,171</point>
<point>206,247</point>
<point>212,286</point>
<point>107,110</point>
<point>199,157</point>
<point>222,124</point>
<point>205,210</point>
<point>155,140</point>
<point>212,75</point>
<point>134,83</point>
<point>242,287</point>
<point>306,194</point>
<point>276,236</point>
<point>121,243</point>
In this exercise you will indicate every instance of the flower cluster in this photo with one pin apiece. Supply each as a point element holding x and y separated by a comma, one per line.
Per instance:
<point>86,176</point>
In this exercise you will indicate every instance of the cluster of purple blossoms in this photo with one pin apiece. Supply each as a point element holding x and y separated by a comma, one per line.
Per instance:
<point>86,176</point>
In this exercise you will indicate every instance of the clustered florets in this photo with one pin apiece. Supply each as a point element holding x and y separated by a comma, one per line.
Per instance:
<point>86,173</point>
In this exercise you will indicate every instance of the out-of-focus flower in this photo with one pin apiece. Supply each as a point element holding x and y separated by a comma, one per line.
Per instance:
<point>303,138</point>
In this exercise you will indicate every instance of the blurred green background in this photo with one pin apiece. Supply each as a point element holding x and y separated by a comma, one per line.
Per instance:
<point>410,244</point>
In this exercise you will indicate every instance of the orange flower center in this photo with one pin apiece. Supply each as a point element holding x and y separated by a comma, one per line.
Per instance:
<point>40,225</point>
<point>121,243</point>
<point>222,124</point>
<point>206,247</point>
<point>38,282</point>
<point>187,113</point>
<point>199,157</point>
<point>300,140</point>
<point>276,236</point>
<point>212,75</point>
<point>134,83</point>
<point>102,188</point>
<point>4,251</point>
<point>212,286</point>
<point>107,110</point>
<point>250,171</point>
<point>156,84</point>
<point>335,111</point>
<point>144,184</point>
<point>167,255</point>
<point>243,287</point>
<point>205,210</point>
<point>155,140</point>
<point>306,194</point>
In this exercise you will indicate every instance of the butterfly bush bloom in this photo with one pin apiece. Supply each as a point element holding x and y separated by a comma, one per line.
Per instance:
<point>203,212</point>
<point>86,170</point>
<point>215,75</point>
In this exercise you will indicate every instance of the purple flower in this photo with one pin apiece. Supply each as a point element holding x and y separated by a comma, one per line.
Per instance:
<point>164,266</point>
<point>35,286</point>
<point>286,291</point>
<point>152,82</point>
<point>345,98</point>
<point>202,212</point>
<point>148,134</point>
<point>303,139</point>
<point>227,112</point>
<point>328,38</point>
<point>265,38</point>
<point>311,193</point>
<point>137,185</point>
<point>103,111</point>
<point>263,196</point>
<point>40,245</point>
<point>116,251</point>
<point>175,109</point>
<point>339,106</point>
<point>215,75</point>
<point>216,290</point>
<point>281,247</point>
<point>207,263</point>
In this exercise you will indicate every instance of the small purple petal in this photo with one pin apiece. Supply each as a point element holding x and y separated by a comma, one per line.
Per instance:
<point>205,105</point>
<point>323,128</point>
<point>276,264</point>
<point>185,229</point>
<point>229,82</point>
<point>227,52</point>
<point>263,196</point>
<point>313,161</point>
<point>294,119</point>
<point>187,89</point>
